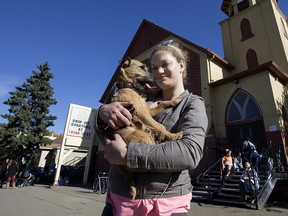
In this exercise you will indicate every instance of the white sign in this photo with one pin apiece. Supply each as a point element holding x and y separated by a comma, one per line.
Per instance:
<point>272,128</point>
<point>81,121</point>
<point>78,133</point>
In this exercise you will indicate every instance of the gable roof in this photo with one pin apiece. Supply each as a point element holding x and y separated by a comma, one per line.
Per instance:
<point>150,34</point>
<point>55,144</point>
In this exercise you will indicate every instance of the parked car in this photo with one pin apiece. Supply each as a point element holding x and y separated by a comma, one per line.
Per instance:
<point>73,173</point>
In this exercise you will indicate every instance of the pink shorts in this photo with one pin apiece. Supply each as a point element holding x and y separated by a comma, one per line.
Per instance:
<point>152,207</point>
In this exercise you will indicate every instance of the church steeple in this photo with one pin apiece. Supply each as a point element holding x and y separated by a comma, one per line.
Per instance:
<point>254,33</point>
<point>231,7</point>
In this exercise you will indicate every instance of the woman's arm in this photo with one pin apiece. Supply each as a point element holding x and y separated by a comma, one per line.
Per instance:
<point>178,155</point>
<point>114,115</point>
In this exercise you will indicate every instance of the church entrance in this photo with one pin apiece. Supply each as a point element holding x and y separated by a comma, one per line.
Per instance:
<point>244,120</point>
<point>253,130</point>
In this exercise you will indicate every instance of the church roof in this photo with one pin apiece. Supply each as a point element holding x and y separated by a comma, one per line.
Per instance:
<point>150,34</point>
<point>56,143</point>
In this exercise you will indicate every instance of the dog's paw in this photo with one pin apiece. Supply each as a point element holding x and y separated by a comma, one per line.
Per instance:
<point>172,136</point>
<point>175,102</point>
<point>178,135</point>
<point>169,103</point>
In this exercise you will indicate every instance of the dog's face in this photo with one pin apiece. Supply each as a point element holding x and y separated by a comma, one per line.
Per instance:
<point>136,73</point>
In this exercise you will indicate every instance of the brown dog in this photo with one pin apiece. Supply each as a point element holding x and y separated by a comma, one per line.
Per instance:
<point>130,86</point>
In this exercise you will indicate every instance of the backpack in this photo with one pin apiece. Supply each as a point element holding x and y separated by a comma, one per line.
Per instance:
<point>26,173</point>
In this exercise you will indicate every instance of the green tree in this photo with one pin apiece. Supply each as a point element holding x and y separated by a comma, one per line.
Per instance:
<point>29,116</point>
<point>3,154</point>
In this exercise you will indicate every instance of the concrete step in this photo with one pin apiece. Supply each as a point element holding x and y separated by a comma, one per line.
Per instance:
<point>230,190</point>
<point>228,196</point>
<point>231,185</point>
<point>223,192</point>
<point>200,193</point>
<point>204,188</point>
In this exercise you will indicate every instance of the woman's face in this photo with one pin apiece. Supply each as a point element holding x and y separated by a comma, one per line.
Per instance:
<point>166,70</point>
<point>247,165</point>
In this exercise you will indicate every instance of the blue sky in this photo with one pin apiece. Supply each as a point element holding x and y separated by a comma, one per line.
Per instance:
<point>83,40</point>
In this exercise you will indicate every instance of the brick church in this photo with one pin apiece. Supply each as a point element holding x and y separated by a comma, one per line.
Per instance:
<point>245,91</point>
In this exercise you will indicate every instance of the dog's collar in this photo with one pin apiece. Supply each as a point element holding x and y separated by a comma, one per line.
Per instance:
<point>120,85</point>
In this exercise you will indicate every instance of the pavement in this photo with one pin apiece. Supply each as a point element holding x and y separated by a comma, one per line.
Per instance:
<point>40,200</point>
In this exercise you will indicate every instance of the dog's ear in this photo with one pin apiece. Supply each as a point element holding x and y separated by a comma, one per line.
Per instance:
<point>123,76</point>
<point>125,62</point>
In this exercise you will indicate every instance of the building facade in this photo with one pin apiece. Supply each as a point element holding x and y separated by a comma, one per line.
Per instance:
<point>245,91</point>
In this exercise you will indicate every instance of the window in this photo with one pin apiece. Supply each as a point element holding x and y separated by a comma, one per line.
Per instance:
<point>251,59</point>
<point>242,107</point>
<point>242,5</point>
<point>246,29</point>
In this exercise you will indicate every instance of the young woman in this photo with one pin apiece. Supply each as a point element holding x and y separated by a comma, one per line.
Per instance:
<point>161,171</point>
<point>12,171</point>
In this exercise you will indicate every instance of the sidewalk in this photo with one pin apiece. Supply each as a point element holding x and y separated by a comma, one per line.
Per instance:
<point>66,201</point>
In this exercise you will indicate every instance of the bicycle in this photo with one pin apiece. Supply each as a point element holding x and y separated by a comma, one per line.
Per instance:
<point>100,183</point>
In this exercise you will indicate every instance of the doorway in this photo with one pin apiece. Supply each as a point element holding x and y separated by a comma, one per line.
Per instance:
<point>253,130</point>
<point>245,120</point>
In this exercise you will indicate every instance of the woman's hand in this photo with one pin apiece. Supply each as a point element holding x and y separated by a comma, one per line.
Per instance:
<point>116,150</point>
<point>115,114</point>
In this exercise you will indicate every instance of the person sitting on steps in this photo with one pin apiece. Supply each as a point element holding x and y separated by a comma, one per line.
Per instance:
<point>226,164</point>
<point>237,162</point>
<point>249,183</point>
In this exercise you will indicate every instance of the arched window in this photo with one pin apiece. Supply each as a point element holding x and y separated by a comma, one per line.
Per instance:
<point>251,59</point>
<point>242,5</point>
<point>242,107</point>
<point>246,29</point>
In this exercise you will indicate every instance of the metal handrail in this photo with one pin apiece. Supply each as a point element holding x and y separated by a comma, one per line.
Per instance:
<point>204,173</point>
<point>208,170</point>
<point>272,155</point>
